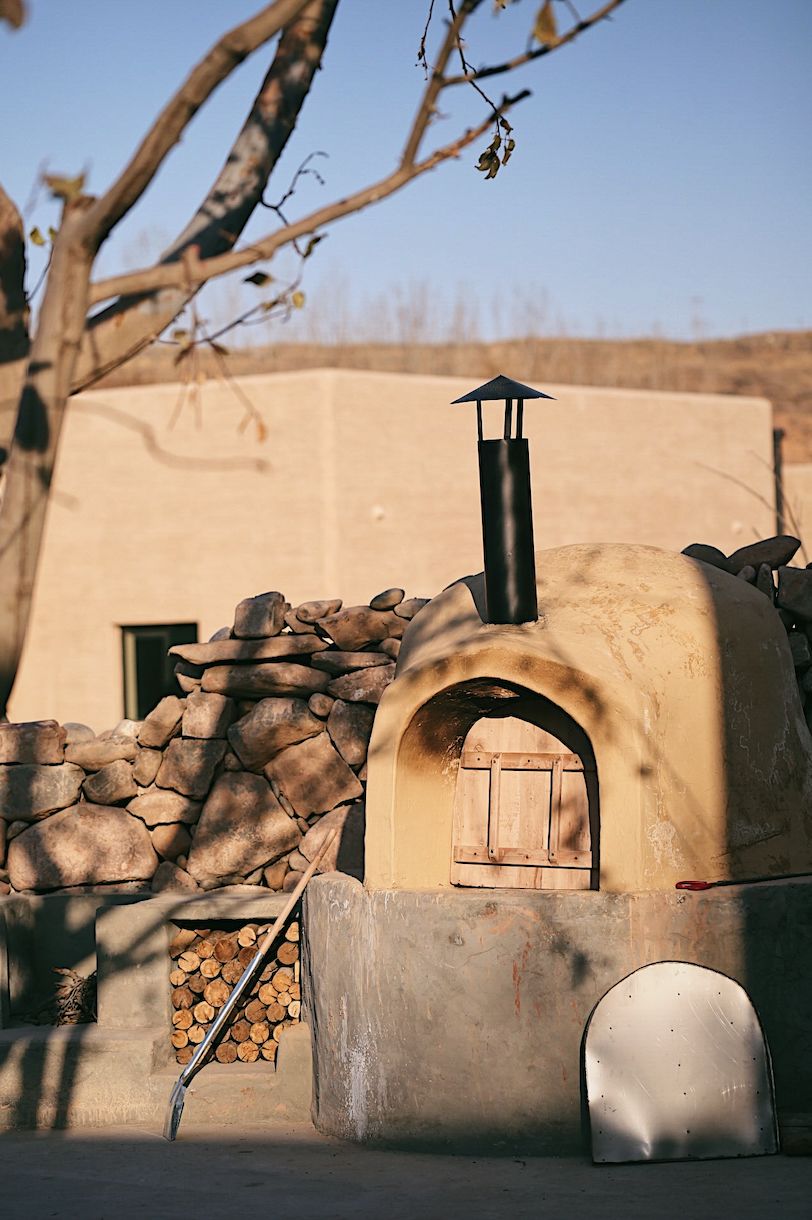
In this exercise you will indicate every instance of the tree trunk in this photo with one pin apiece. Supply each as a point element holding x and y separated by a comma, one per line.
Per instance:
<point>29,468</point>
<point>13,316</point>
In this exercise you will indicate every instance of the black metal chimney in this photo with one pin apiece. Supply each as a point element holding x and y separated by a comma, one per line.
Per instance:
<point>507,511</point>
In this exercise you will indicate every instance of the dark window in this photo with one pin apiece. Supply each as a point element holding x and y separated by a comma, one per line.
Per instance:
<point>148,671</point>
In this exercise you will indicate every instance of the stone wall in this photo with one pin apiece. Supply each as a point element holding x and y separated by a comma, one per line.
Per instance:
<point>237,781</point>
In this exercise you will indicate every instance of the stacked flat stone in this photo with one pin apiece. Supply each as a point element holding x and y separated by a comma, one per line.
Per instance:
<point>766,565</point>
<point>236,782</point>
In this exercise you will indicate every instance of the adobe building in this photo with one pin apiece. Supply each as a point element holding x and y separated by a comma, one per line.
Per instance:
<point>166,509</point>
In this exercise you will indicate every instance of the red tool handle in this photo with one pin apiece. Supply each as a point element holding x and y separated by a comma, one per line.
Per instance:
<point>694,885</point>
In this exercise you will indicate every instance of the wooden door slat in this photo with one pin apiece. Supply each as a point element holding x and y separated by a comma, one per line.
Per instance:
<point>493,808</point>
<point>481,760</point>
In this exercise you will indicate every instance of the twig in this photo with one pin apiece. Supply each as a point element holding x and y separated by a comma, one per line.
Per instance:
<point>168,275</point>
<point>527,57</point>
<point>421,50</point>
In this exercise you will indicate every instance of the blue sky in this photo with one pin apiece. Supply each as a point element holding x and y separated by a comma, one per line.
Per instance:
<point>661,179</point>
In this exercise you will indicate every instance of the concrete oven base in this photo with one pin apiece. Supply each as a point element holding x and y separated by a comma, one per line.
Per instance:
<point>121,1069</point>
<point>455,1017</point>
<point>83,1076</point>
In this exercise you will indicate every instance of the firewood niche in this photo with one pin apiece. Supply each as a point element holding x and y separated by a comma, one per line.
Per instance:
<point>205,964</point>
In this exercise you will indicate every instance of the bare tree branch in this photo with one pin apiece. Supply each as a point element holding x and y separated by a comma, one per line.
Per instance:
<point>201,271</point>
<point>125,327</point>
<point>173,120</point>
<point>527,57</point>
<point>13,11</point>
<point>14,340</point>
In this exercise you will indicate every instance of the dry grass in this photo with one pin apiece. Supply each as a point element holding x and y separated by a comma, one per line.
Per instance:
<point>776,365</point>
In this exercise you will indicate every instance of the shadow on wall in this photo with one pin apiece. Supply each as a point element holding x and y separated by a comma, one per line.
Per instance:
<point>45,1060</point>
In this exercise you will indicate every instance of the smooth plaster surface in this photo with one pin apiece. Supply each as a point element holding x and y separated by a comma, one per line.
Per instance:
<point>797,489</point>
<point>366,480</point>
<point>680,675</point>
<point>457,1016</point>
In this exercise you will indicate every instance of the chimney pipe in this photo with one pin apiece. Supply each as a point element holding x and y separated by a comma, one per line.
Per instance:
<point>507,512</point>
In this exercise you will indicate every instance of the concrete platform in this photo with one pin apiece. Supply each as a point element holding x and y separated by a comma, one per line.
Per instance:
<point>208,1173</point>
<point>88,1076</point>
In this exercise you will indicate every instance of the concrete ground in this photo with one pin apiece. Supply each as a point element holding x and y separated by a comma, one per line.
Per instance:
<point>291,1172</point>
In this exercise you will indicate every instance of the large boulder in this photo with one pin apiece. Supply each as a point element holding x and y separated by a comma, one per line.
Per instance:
<point>29,792</point>
<point>350,726</point>
<point>775,552</point>
<point>356,626</point>
<point>311,612</point>
<point>84,845</point>
<point>346,852</point>
<point>171,841</point>
<point>161,722</point>
<point>259,617</point>
<point>171,879</point>
<point>337,662</point>
<point>76,731</point>
<point>223,652</point>
<point>258,681</point>
<point>363,685</point>
<point>242,827</point>
<point>313,776</point>
<point>795,592</point>
<point>189,765</point>
<point>708,554</point>
<point>93,755</point>
<point>387,600</point>
<point>33,741</point>
<point>411,607</point>
<point>208,716</point>
<point>157,807</point>
<point>146,767</point>
<point>113,785</point>
<point>272,725</point>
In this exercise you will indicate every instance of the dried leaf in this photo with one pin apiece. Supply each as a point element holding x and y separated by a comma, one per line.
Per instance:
<point>36,237</point>
<point>311,245</point>
<point>181,336</point>
<point>297,300</point>
<point>64,188</point>
<point>545,29</point>
<point>218,348</point>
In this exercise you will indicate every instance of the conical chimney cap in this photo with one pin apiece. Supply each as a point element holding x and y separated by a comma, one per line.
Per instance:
<point>501,387</point>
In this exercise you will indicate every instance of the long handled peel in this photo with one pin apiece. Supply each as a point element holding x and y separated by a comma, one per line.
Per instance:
<point>252,970</point>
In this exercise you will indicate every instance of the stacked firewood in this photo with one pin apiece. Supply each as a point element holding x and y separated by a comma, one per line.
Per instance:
<point>206,964</point>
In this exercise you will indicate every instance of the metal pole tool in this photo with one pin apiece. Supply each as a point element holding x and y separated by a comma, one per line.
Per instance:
<point>252,970</point>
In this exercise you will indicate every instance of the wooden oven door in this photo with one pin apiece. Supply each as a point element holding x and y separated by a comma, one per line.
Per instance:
<point>522,809</point>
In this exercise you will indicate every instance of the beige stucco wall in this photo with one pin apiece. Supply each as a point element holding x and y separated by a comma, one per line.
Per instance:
<point>680,675</point>
<point>797,487</point>
<point>365,480</point>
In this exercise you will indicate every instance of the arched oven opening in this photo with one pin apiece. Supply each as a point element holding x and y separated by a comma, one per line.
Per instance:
<point>526,806</point>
